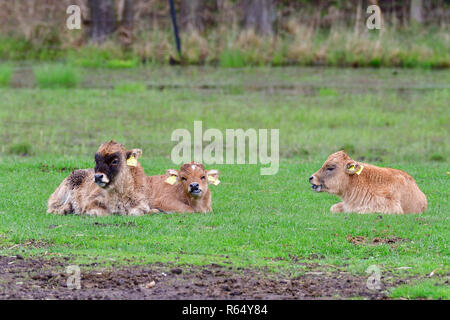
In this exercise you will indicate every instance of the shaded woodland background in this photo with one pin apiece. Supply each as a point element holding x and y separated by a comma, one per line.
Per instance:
<point>230,32</point>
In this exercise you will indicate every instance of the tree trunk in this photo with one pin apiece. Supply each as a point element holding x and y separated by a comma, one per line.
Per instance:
<point>128,14</point>
<point>358,17</point>
<point>125,31</point>
<point>103,19</point>
<point>259,15</point>
<point>190,15</point>
<point>416,11</point>
<point>405,13</point>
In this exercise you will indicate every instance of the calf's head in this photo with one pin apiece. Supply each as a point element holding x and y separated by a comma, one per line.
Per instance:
<point>193,178</point>
<point>111,161</point>
<point>335,173</point>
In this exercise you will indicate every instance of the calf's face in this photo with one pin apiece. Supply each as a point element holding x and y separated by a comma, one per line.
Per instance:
<point>111,161</point>
<point>335,173</point>
<point>194,179</point>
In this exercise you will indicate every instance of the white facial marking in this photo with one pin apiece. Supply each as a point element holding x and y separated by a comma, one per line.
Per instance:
<point>193,167</point>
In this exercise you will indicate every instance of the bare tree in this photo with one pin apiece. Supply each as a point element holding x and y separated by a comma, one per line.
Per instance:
<point>416,11</point>
<point>259,15</point>
<point>190,15</point>
<point>103,19</point>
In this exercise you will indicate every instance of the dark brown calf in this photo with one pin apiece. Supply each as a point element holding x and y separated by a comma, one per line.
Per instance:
<point>116,185</point>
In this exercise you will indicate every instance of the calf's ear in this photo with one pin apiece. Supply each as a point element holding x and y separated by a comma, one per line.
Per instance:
<point>172,172</point>
<point>132,156</point>
<point>173,176</point>
<point>213,177</point>
<point>136,153</point>
<point>353,167</point>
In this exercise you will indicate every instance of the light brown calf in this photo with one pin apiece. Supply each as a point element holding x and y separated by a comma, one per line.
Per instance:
<point>185,190</point>
<point>365,188</point>
<point>116,185</point>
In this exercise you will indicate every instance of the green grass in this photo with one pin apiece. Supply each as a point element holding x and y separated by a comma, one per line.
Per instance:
<point>18,48</point>
<point>130,87</point>
<point>6,72</point>
<point>327,92</point>
<point>427,289</point>
<point>56,76</point>
<point>20,149</point>
<point>122,64</point>
<point>387,126</point>
<point>258,221</point>
<point>232,59</point>
<point>107,56</point>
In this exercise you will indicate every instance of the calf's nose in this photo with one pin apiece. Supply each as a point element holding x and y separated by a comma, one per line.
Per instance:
<point>194,186</point>
<point>98,177</point>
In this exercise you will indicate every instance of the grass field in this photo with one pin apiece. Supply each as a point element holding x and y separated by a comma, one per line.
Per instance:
<point>274,222</point>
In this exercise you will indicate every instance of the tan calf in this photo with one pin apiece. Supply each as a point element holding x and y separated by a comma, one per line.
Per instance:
<point>116,185</point>
<point>185,190</point>
<point>365,188</point>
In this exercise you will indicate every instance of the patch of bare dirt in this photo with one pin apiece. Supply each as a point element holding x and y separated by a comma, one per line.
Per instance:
<point>388,240</point>
<point>361,240</point>
<point>25,278</point>
<point>31,243</point>
<point>356,240</point>
<point>123,224</point>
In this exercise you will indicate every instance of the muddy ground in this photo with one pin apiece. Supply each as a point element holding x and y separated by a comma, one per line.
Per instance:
<point>25,278</point>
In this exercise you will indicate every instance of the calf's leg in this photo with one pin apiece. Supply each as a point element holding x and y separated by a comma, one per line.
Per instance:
<point>338,207</point>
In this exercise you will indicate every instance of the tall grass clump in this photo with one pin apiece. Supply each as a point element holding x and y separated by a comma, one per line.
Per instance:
<point>57,76</point>
<point>6,72</point>
<point>109,55</point>
<point>154,47</point>
<point>231,59</point>
<point>14,48</point>
<point>294,43</point>
<point>21,149</point>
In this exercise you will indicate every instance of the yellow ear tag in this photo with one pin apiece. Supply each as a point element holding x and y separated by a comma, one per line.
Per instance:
<point>360,170</point>
<point>213,180</point>
<point>351,168</point>
<point>171,180</point>
<point>131,161</point>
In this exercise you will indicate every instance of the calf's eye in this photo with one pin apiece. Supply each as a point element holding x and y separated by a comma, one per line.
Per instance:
<point>183,178</point>
<point>330,169</point>
<point>115,161</point>
<point>203,178</point>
